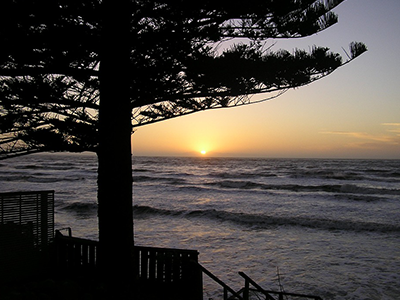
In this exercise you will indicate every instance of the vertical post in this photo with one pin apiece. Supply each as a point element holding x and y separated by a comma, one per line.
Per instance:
<point>196,277</point>
<point>152,265</point>
<point>160,265</point>
<point>246,290</point>
<point>168,267</point>
<point>2,209</point>
<point>85,255</point>
<point>43,220</point>
<point>20,210</point>
<point>136,262</point>
<point>144,265</point>
<point>92,255</point>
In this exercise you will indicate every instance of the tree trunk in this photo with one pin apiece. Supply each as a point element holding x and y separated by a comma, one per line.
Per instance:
<point>114,155</point>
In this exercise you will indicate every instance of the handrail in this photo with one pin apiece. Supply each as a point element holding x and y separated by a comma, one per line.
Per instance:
<point>221,283</point>
<point>164,270</point>
<point>266,293</point>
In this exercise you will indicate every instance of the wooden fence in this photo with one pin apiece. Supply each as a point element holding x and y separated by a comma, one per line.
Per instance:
<point>72,254</point>
<point>28,211</point>
<point>173,273</point>
<point>26,228</point>
<point>163,264</point>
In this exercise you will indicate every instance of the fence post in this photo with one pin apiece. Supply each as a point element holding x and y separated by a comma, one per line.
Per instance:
<point>246,290</point>
<point>43,220</point>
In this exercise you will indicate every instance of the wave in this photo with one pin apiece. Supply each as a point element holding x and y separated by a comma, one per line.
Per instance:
<point>258,221</point>
<point>327,174</point>
<point>383,172</point>
<point>297,174</point>
<point>168,180</point>
<point>255,221</point>
<point>231,184</point>
<point>140,170</point>
<point>28,178</point>
<point>336,188</point>
<point>355,189</point>
<point>40,179</point>
<point>228,183</point>
<point>147,210</point>
<point>50,166</point>
<point>377,175</point>
<point>360,198</point>
<point>144,178</point>
<point>81,208</point>
<point>29,167</point>
<point>241,175</point>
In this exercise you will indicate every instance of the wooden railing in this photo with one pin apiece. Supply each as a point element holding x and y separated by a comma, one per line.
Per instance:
<point>174,272</point>
<point>163,264</point>
<point>162,270</point>
<point>244,293</point>
<point>71,253</point>
<point>225,287</point>
<point>267,293</point>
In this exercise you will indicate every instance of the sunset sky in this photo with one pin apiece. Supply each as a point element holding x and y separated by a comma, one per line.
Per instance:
<point>353,113</point>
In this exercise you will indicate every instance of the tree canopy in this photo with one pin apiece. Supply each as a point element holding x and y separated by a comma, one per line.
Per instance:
<point>185,57</point>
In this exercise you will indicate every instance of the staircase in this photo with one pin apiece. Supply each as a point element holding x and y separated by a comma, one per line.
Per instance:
<point>244,293</point>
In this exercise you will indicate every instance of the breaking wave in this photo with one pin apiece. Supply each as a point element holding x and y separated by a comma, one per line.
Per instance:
<point>262,221</point>
<point>39,178</point>
<point>168,180</point>
<point>81,208</point>
<point>243,184</point>
<point>335,188</point>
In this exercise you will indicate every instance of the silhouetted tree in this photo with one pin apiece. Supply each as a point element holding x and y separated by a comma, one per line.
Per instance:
<point>81,75</point>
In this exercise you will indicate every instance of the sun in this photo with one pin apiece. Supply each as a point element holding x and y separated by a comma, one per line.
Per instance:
<point>203,152</point>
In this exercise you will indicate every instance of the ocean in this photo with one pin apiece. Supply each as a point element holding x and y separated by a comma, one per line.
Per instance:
<point>325,227</point>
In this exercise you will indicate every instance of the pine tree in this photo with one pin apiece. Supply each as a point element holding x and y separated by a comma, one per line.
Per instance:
<point>81,75</point>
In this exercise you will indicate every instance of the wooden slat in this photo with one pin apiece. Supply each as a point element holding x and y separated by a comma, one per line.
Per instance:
<point>35,207</point>
<point>160,265</point>
<point>143,264</point>
<point>152,265</point>
<point>92,255</point>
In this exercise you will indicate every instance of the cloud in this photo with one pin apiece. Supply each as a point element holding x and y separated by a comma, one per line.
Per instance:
<point>390,124</point>
<point>364,136</point>
<point>394,130</point>
<point>391,136</point>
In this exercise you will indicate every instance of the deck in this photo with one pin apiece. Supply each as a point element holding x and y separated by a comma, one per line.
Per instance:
<point>165,270</point>
<point>29,247</point>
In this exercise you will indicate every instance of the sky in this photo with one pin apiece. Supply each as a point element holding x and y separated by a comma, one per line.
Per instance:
<point>352,113</point>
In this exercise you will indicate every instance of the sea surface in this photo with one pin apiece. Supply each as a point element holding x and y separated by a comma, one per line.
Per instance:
<point>329,228</point>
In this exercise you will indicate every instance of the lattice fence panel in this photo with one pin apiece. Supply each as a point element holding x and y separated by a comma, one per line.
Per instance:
<point>29,213</point>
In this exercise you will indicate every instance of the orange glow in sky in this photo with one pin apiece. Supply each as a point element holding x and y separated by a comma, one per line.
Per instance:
<point>352,113</point>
